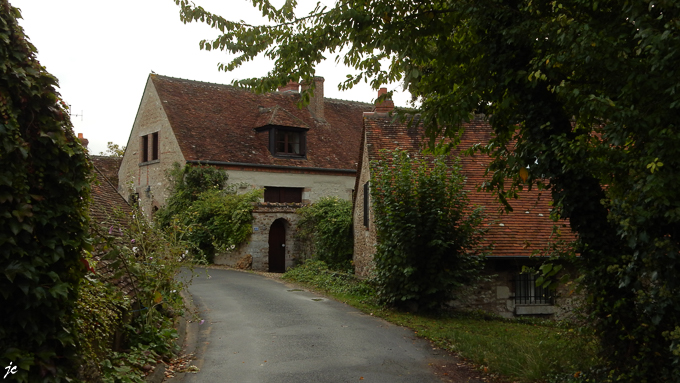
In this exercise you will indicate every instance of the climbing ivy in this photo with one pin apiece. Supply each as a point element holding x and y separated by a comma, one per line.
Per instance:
<point>44,192</point>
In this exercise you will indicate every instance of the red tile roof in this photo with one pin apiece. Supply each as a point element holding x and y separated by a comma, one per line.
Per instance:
<point>106,204</point>
<point>517,234</point>
<point>108,166</point>
<point>215,122</point>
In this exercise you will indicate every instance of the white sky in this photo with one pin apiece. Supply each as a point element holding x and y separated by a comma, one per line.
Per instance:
<point>103,51</point>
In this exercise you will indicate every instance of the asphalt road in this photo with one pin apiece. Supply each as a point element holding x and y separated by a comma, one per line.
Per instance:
<point>260,330</point>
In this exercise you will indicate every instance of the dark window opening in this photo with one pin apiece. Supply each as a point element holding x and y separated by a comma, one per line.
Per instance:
<point>366,205</point>
<point>282,194</point>
<point>287,142</point>
<point>527,293</point>
<point>154,146</point>
<point>150,147</point>
<point>145,148</point>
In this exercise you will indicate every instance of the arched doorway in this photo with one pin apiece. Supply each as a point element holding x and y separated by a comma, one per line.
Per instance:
<point>277,247</point>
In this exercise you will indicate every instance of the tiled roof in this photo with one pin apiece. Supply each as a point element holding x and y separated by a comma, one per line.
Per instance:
<point>215,122</point>
<point>108,166</point>
<point>106,202</point>
<point>516,234</point>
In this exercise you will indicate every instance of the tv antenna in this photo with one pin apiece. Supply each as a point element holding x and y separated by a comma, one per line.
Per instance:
<point>75,115</point>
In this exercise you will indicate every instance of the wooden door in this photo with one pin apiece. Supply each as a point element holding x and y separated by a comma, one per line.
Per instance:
<point>277,247</point>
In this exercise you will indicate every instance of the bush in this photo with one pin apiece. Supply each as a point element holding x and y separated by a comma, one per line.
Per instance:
<point>206,212</point>
<point>427,242</point>
<point>146,261</point>
<point>327,226</point>
<point>44,192</point>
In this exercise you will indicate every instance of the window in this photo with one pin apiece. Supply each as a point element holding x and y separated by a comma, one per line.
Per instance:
<point>287,142</point>
<point>527,293</point>
<point>282,194</point>
<point>367,209</point>
<point>149,147</point>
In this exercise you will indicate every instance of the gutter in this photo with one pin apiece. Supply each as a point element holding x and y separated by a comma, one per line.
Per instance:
<point>282,167</point>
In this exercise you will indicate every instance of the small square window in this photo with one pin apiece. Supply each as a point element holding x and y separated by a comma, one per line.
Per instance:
<point>527,293</point>
<point>287,142</point>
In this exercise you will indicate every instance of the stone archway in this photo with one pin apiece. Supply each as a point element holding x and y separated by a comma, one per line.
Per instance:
<point>277,246</point>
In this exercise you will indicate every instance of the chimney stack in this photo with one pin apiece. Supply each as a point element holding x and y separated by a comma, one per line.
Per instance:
<point>385,106</point>
<point>83,141</point>
<point>292,86</point>
<point>316,101</point>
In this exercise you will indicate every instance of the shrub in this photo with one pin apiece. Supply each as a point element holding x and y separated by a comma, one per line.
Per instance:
<point>327,226</point>
<point>427,241</point>
<point>146,260</point>
<point>205,211</point>
<point>218,221</point>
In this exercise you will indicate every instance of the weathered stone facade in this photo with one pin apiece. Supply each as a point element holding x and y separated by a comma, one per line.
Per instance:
<point>364,237</point>
<point>497,290</point>
<point>257,247</point>
<point>147,180</point>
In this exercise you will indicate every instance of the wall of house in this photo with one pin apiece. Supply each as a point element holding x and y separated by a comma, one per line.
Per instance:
<point>255,253</point>
<point>364,238</point>
<point>316,186</point>
<point>149,180</point>
<point>496,293</point>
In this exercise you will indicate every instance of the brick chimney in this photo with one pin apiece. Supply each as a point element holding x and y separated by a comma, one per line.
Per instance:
<point>83,141</point>
<point>316,102</point>
<point>292,86</point>
<point>385,106</point>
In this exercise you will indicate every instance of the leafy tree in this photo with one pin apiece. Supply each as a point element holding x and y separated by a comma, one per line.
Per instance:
<point>207,211</point>
<point>427,244</point>
<point>44,192</point>
<point>327,226</point>
<point>583,91</point>
<point>113,150</point>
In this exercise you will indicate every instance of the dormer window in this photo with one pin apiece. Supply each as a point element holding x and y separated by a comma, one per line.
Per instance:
<point>287,142</point>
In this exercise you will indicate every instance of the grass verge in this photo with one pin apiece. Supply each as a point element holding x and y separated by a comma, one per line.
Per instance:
<point>522,350</point>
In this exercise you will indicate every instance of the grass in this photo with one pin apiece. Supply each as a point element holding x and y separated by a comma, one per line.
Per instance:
<point>522,350</point>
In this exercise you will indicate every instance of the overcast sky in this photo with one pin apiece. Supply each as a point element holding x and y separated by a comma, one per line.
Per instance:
<point>103,51</point>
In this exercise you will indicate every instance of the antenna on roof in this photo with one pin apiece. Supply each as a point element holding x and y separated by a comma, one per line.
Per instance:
<point>75,115</point>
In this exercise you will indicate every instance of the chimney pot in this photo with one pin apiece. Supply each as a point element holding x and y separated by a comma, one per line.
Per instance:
<point>385,106</point>
<point>83,141</point>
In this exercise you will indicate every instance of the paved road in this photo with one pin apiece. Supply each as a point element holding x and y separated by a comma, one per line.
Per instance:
<point>260,330</point>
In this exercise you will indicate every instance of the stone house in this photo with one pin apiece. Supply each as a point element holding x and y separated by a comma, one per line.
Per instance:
<point>515,236</point>
<point>298,155</point>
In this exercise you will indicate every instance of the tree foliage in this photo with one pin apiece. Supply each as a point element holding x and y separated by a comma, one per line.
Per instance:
<point>427,243</point>
<point>113,150</point>
<point>327,226</point>
<point>44,192</point>
<point>585,94</point>
<point>205,211</point>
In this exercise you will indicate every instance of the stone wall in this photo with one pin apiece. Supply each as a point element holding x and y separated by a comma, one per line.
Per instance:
<point>496,293</point>
<point>257,247</point>
<point>148,179</point>
<point>364,237</point>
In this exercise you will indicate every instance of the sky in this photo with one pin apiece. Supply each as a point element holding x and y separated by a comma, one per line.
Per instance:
<point>102,52</point>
